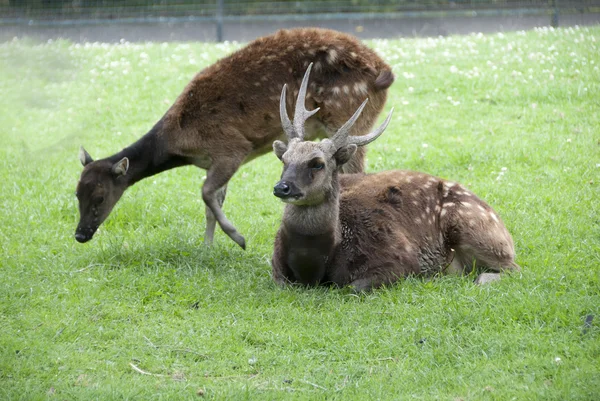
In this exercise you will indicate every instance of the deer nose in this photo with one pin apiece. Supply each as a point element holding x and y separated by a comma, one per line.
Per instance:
<point>282,189</point>
<point>80,237</point>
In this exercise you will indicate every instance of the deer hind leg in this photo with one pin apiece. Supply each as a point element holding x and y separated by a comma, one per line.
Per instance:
<point>482,242</point>
<point>211,221</point>
<point>213,194</point>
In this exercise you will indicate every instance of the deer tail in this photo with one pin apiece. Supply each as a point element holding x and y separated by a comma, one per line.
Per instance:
<point>384,80</point>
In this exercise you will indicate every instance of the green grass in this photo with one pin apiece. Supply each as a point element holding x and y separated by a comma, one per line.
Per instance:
<point>515,117</point>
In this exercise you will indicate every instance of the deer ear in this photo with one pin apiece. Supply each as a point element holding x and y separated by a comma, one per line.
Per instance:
<point>84,157</point>
<point>345,153</point>
<point>279,148</point>
<point>121,167</point>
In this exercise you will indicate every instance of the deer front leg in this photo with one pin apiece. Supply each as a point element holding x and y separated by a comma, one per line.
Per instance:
<point>217,177</point>
<point>211,221</point>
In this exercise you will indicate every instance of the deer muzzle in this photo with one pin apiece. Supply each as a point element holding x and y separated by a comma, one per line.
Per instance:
<point>84,234</point>
<point>286,190</point>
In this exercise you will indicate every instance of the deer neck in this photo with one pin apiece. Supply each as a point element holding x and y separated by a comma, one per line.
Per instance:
<point>148,156</point>
<point>311,234</point>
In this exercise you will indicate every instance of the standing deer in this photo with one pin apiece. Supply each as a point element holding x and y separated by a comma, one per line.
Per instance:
<point>370,230</point>
<point>224,118</point>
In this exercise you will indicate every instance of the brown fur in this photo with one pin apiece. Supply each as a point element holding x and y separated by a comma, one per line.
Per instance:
<point>394,224</point>
<point>227,115</point>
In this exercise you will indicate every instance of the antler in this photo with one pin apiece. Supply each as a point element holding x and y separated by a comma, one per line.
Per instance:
<point>341,137</point>
<point>296,130</point>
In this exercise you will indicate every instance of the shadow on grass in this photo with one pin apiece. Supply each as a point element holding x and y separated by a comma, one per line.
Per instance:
<point>184,257</point>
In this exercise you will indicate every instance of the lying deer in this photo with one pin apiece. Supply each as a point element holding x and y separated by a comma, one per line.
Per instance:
<point>370,230</point>
<point>224,118</point>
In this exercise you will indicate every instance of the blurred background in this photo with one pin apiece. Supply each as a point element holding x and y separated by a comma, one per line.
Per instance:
<point>242,20</point>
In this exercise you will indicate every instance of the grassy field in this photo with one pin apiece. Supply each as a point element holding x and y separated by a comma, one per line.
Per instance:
<point>145,311</point>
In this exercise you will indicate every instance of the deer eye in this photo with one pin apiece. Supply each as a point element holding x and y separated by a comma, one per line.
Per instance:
<point>316,165</point>
<point>99,200</point>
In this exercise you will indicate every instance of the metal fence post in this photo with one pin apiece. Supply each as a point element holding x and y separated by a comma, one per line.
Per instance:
<point>220,7</point>
<point>555,15</point>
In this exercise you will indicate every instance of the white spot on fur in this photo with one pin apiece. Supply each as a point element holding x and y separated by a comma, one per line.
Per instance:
<point>493,216</point>
<point>448,204</point>
<point>415,203</point>
<point>418,220</point>
<point>472,223</point>
<point>427,210</point>
<point>481,208</point>
<point>317,65</point>
<point>467,204</point>
<point>346,89</point>
<point>443,213</point>
<point>336,90</point>
<point>353,55</point>
<point>332,55</point>
<point>360,88</point>
<point>257,84</point>
<point>290,48</point>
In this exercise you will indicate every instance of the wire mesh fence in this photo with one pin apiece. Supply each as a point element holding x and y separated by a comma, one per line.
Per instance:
<point>222,14</point>
<point>120,9</point>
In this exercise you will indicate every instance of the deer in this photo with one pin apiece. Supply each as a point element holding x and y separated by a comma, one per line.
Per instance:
<point>370,230</point>
<point>224,118</point>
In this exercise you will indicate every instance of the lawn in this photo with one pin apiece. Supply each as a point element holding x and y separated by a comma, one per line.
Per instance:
<point>146,311</point>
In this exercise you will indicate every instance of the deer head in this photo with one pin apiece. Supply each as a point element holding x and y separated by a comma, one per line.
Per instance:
<point>100,187</point>
<point>310,168</point>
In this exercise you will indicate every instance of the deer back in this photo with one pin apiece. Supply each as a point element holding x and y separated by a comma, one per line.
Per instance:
<point>236,99</point>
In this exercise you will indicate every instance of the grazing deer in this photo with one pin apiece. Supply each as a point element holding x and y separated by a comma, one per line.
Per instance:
<point>224,118</point>
<point>370,230</point>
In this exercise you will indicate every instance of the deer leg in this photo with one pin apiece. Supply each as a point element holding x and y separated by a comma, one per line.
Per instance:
<point>493,260</point>
<point>211,221</point>
<point>217,177</point>
<point>490,251</point>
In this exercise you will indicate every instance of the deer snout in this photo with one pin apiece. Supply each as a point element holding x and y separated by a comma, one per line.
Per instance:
<point>83,235</point>
<point>282,189</point>
<point>81,238</point>
<point>285,189</point>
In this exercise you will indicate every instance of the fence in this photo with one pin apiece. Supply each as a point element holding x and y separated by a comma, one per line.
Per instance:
<point>73,12</point>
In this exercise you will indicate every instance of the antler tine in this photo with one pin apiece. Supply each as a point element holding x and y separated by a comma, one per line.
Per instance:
<point>288,128</point>
<point>365,139</point>
<point>301,114</point>
<point>296,129</point>
<point>341,136</point>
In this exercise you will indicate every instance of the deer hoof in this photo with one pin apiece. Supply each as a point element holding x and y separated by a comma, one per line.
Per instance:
<point>485,278</point>
<point>239,239</point>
